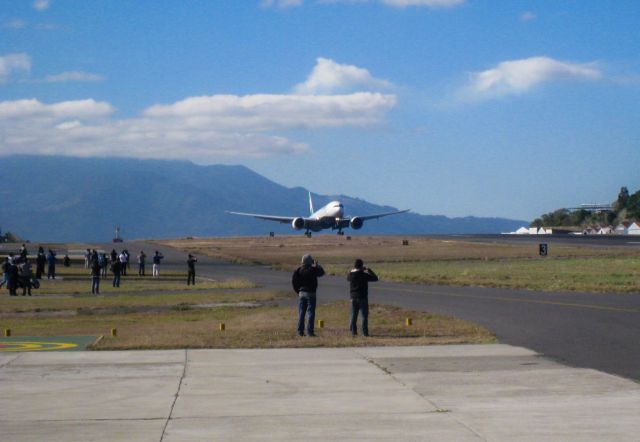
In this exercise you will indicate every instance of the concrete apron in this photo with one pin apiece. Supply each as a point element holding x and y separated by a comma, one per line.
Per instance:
<point>439,393</point>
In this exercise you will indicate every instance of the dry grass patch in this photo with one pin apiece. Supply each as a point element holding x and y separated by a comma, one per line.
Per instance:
<point>286,251</point>
<point>45,306</point>
<point>260,327</point>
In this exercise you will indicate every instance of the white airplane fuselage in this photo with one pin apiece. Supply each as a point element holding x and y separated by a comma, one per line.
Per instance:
<point>328,216</point>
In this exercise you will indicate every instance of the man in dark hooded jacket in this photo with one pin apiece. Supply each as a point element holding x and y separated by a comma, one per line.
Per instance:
<point>359,279</point>
<point>305,284</point>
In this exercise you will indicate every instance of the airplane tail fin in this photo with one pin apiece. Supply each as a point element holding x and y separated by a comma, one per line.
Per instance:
<point>311,210</point>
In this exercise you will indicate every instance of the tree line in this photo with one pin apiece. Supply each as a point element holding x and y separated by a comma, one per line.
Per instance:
<point>625,207</point>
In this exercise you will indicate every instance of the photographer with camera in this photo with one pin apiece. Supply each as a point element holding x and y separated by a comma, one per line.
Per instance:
<point>359,278</point>
<point>305,284</point>
<point>191,265</point>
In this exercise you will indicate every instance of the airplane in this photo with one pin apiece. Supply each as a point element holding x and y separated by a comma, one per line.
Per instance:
<point>330,216</point>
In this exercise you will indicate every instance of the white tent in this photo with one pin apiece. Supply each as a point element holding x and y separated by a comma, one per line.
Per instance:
<point>634,228</point>
<point>622,228</point>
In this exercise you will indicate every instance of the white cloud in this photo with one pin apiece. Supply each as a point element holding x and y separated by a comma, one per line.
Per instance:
<point>41,5</point>
<point>258,113</point>
<point>13,62</point>
<point>205,128</point>
<point>32,109</point>
<point>73,76</point>
<point>426,3</point>
<point>330,77</point>
<point>519,76</point>
<point>528,16</point>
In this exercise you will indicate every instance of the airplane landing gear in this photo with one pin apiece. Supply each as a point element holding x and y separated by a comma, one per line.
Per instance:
<point>307,234</point>
<point>340,232</point>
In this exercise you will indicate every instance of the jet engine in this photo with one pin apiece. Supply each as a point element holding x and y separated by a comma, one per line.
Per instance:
<point>297,223</point>
<point>355,223</point>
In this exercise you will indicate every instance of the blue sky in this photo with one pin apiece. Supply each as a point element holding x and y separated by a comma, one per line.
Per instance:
<point>450,107</point>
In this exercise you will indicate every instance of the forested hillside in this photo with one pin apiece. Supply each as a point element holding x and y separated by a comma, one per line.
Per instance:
<point>625,207</point>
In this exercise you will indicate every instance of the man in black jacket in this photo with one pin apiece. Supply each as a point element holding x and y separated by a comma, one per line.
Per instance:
<point>359,279</point>
<point>305,284</point>
<point>191,269</point>
<point>96,271</point>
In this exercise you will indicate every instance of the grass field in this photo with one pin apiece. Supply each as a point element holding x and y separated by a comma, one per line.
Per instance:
<point>180,324</point>
<point>444,262</point>
<point>165,313</point>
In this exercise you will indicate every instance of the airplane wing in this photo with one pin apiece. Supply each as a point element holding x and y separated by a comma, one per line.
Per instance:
<point>345,222</point>
<point>380,215</point>
<point>280,219</point>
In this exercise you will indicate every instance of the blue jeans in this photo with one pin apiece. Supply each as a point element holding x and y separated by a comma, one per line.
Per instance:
<point>116,279</point>
<point>359,305</point>
<point>95,285</point>
<point>306,305</point>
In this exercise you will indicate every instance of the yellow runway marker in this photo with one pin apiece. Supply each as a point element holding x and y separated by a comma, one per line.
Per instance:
<point>16,346</point>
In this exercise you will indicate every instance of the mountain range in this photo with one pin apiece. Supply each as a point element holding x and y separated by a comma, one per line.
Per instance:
<point>53,198</point>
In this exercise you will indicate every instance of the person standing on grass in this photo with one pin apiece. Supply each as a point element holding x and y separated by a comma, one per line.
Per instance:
<point>12,277</point>
<point>116,268</point>
<point>26,273</point>
<point>359,279</point>
<point>128,256</point>
<point>142,258</point>
<point>41,260</point>
<point>191,265</point>
<point>305,284</point>
<point>123,263</point>
<point>51,265</point>
<point>23,251</point>
<point>102,260</point>
<point>87,259</point>
<point>96,270</point>
<point>157,258</point>
<point>5,271</point>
